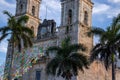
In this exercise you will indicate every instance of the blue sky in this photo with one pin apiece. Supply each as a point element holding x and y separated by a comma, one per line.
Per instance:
<point>103,12</point>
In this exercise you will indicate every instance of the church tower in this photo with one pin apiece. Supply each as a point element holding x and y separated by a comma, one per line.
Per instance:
<point>76,15</point>
<point>31,9</point>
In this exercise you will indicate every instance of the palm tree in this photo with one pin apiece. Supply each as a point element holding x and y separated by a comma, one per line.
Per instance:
<point>68,60</point>
<point>19,34</point>
<point>109,44</point>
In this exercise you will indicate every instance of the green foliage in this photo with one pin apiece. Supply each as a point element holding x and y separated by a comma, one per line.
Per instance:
<point>18,32</point>
<point>68,60</point>
<point>19,35</point>
<point>109,44</point>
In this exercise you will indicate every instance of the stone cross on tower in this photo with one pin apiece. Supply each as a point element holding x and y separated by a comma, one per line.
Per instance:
<point>31,9</point>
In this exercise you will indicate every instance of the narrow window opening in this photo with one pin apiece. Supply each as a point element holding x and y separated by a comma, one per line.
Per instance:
<point>70,16</point>
<point>38,75</point>
<point>32,28</point>
<point>33,10</point>
<point>86,17</point>
<point>21,7</point>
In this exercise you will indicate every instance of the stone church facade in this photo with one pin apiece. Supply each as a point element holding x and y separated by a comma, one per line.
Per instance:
<point>76,20</point>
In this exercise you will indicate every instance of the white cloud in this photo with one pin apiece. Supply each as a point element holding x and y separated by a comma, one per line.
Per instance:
<point>107,10</point>
<point>55,5</point>
<point>114,1</point>
<point>113,12</point>
<point>6,4</point>
<point>100,8</point>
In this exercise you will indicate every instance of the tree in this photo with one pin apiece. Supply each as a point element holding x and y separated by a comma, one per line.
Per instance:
<point>109,44</point>
<point>68,60</point>
<point>20,35</point>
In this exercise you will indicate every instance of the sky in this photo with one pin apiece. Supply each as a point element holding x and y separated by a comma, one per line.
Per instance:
<point>103,12</point>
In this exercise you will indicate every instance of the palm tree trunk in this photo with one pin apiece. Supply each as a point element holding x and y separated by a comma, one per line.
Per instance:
<point>113,68</point>
<point>11,61</point>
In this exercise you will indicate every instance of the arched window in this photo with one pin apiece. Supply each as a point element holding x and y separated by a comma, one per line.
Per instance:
<point>21,8</point>
<point>86,17</point>
<point>32,28</point>
<point>33,10</point>
<point>70,16</point>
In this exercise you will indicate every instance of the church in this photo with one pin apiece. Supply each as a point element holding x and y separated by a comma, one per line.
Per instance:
<point>76,20</point>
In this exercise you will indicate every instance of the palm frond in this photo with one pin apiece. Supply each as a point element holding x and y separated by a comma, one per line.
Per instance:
<point>3,36</point>
<point>96,31</point>
<point>22,19</point>
<point>80,58</point>
<point>95,54</point>
<point>4,30</point>
<point>54,48</point>
<point>18,42</point>
<point>8,14</point>
<point>52,66</point>
<point>116,20</point>
<point>27,41</point>
<point>101,52</point>
<point>107,62</point>
<point>67,61</point>
<point>27,31</point>
<point>117,29</point>
<point>12,23</point>
<point>76,47</point>
<point>66,42</point>
<point>117,39</point>
<point>97,46</point>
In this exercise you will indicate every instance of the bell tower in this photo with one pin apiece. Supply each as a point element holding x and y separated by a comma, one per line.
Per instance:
<point>31,9</point>
<point>76,15</point>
